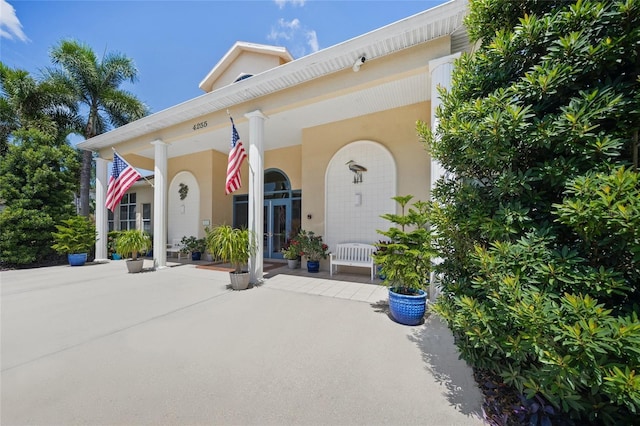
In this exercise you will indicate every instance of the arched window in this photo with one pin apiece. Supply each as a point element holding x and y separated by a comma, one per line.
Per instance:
<point>275,181</point>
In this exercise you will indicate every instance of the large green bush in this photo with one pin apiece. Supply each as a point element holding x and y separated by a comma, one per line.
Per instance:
<point>539,230</point>
<point>38,176</point>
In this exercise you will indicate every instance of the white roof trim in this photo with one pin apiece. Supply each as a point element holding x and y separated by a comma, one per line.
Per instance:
<point>423,27</point>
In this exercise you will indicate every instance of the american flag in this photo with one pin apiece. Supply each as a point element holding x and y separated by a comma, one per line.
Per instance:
<point>121,179</point>
<point>236,155</point>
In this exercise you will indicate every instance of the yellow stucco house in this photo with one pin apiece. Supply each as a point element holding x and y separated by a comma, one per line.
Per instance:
<point>301,122</point>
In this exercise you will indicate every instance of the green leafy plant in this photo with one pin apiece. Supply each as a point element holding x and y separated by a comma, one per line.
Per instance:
<point>229,244</point>
<point>537,221</point>
<point>132,242</point>
<point>192,244</point>
<point>405,258</point>
<point>311,246</point>
<point>75,235</point>
<point>292,252</point>
<point>112,237</point>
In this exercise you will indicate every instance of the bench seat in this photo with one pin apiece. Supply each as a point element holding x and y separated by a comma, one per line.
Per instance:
<point>353,254</point>
<point>175,247</point>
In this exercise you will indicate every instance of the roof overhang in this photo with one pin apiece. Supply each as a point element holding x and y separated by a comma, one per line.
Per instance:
<point>443,20</point>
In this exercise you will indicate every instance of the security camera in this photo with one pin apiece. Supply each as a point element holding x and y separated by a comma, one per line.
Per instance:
<point>358,63</point>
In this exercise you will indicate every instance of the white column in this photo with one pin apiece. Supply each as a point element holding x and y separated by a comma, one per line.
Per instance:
<point>160,204</point>
<point>441,70</point>
<point>256,190</point>
<point>102,226</point>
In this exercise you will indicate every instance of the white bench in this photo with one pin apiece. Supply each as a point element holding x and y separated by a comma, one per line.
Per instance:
<point>353,254</point>
<point>175,247</point>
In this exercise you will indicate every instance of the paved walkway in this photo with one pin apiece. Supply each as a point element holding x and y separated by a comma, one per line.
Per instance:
<point>95,345</point>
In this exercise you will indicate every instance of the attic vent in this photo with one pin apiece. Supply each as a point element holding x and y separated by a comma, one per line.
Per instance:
<point>242,77</point>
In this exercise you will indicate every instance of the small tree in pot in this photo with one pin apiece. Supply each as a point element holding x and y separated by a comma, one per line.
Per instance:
<point>132,242</point>
<point>406,260</point>
<point>233,245</point>
<point>76,237</point>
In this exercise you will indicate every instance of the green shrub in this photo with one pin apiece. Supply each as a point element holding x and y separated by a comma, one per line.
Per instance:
<point>75,235</point>
<point>539,230</point>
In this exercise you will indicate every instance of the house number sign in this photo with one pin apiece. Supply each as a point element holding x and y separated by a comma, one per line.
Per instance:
<point>200,125</point>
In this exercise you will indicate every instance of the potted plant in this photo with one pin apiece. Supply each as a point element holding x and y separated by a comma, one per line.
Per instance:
<point>406,260</point>
<point>292,253</point>
<point>193,245</point>
<point>132,242</point>
<point>76,237</point>
<point>312,248</point>
<point>112,237</point>
<point>233,245</point>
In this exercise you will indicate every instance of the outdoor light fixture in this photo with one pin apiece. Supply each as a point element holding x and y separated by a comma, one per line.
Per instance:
<point>358,63</point>
<point>358,199</point>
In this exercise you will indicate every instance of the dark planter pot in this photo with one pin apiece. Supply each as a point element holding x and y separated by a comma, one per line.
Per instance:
<point>313,266</point>
<point>196,255</point>
<point>77,259</point>
<point>407,309</point>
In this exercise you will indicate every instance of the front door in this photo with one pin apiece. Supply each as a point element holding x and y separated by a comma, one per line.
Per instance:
<point>277,225</point>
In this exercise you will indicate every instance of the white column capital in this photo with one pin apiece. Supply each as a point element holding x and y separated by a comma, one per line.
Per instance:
<point>436,63</point>
<point>256,113</point>
<point>159,142</point>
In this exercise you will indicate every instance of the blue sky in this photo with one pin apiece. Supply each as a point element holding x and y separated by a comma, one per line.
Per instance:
<point>176,43</point>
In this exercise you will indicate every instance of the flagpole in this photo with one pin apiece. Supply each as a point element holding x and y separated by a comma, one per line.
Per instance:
<point>143,177</point>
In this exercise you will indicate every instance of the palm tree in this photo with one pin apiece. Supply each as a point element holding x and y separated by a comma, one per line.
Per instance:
<point>27,103</point>
<point>95,84</point>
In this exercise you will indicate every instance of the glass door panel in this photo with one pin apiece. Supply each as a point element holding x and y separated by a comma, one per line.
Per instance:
<point>277,222</point>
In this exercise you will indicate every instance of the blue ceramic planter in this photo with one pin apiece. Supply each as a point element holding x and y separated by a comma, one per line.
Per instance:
<point>77,259</point>
<point>313,266</point>
<point>407,309</point>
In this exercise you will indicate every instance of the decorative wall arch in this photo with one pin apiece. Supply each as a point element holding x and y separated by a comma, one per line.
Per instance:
<point>183,204</point>
<point>353,204</point>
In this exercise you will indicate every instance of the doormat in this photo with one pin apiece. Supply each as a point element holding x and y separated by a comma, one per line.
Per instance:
<point>225,267</point>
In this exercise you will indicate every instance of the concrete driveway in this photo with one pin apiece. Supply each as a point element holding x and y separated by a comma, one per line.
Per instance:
<point>95,345</point>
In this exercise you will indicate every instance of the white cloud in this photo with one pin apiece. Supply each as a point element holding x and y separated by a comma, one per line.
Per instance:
<point>282,3</point>
<point>312,40</point>
<point>297,38</point>
<point>10,25</point>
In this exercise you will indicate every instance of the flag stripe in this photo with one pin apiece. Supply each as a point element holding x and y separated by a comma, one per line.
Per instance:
<point>123,176</point>
<point>236,156</point>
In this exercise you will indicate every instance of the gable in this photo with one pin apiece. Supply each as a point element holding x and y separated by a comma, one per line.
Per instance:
<point>244,59</point>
